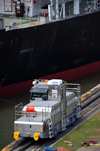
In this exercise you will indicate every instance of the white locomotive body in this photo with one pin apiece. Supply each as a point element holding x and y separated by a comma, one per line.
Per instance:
<point>53,106</point>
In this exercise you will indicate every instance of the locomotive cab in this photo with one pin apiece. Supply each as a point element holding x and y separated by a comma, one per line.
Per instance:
<point>39,93</point>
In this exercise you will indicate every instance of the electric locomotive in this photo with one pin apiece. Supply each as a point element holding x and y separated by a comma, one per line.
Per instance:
<point>54,105</point>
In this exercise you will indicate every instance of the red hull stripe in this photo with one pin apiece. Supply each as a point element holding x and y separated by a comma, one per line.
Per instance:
<point>65,75</point>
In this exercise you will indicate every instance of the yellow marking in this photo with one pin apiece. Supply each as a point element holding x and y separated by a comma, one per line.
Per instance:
<point>88,92</point>
<point>83,99</point>
<point>28,134</point>
<point>6,149</point>
<point>36,136</point>
<point>95,144</point>
<point>16,135</point>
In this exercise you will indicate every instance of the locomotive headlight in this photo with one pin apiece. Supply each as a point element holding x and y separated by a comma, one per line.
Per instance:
<point>28,134</point>
<point>34,82</point>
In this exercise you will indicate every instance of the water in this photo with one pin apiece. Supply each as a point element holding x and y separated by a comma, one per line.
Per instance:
<point>7,107</point>
<point>7,117</point>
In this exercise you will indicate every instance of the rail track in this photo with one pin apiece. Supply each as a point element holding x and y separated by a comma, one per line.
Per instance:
<point>90,101</point>
<point>90,96</point>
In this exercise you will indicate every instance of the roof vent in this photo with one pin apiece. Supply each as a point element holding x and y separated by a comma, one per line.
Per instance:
<point>55,82</point>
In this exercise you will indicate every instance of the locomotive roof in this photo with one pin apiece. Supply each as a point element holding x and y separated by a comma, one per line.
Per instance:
<point>43,103</point>
<point>38,90</point>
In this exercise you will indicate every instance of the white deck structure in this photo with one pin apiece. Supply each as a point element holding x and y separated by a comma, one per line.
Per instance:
<point>55,9</point>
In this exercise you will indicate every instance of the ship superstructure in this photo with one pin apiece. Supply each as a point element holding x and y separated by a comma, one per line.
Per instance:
<point>54,9</point>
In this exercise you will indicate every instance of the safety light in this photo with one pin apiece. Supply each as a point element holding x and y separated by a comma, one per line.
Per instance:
<point>40,80</point>
<point>34,82</point>
<point>43,80</point>
<point>46,80</point>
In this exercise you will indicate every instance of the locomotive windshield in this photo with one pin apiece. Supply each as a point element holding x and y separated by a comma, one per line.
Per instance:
<point>39,93</point>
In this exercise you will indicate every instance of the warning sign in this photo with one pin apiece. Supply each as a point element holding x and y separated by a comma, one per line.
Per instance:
<point>8,5</point>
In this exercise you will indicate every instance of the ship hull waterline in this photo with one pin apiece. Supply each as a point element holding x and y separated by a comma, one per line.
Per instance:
<point>69,75</point>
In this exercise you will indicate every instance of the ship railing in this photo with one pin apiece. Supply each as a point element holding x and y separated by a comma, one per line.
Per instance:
<point>76,88</point>
<point>69,10</point>
<point>22,22</point>
<point>43,114</point>
<point>46,113</point>
<point>98,6</point>
<point>88,7</point>
<point>18,110</point>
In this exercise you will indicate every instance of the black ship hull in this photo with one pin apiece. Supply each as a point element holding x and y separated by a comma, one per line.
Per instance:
<point>62,48</point>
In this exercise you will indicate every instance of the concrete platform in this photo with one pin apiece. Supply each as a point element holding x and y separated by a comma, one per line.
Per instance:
<point>14,144</point>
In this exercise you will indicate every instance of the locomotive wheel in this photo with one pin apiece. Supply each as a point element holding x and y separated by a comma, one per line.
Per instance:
<point>55,134</point>
<point>73,122</point>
